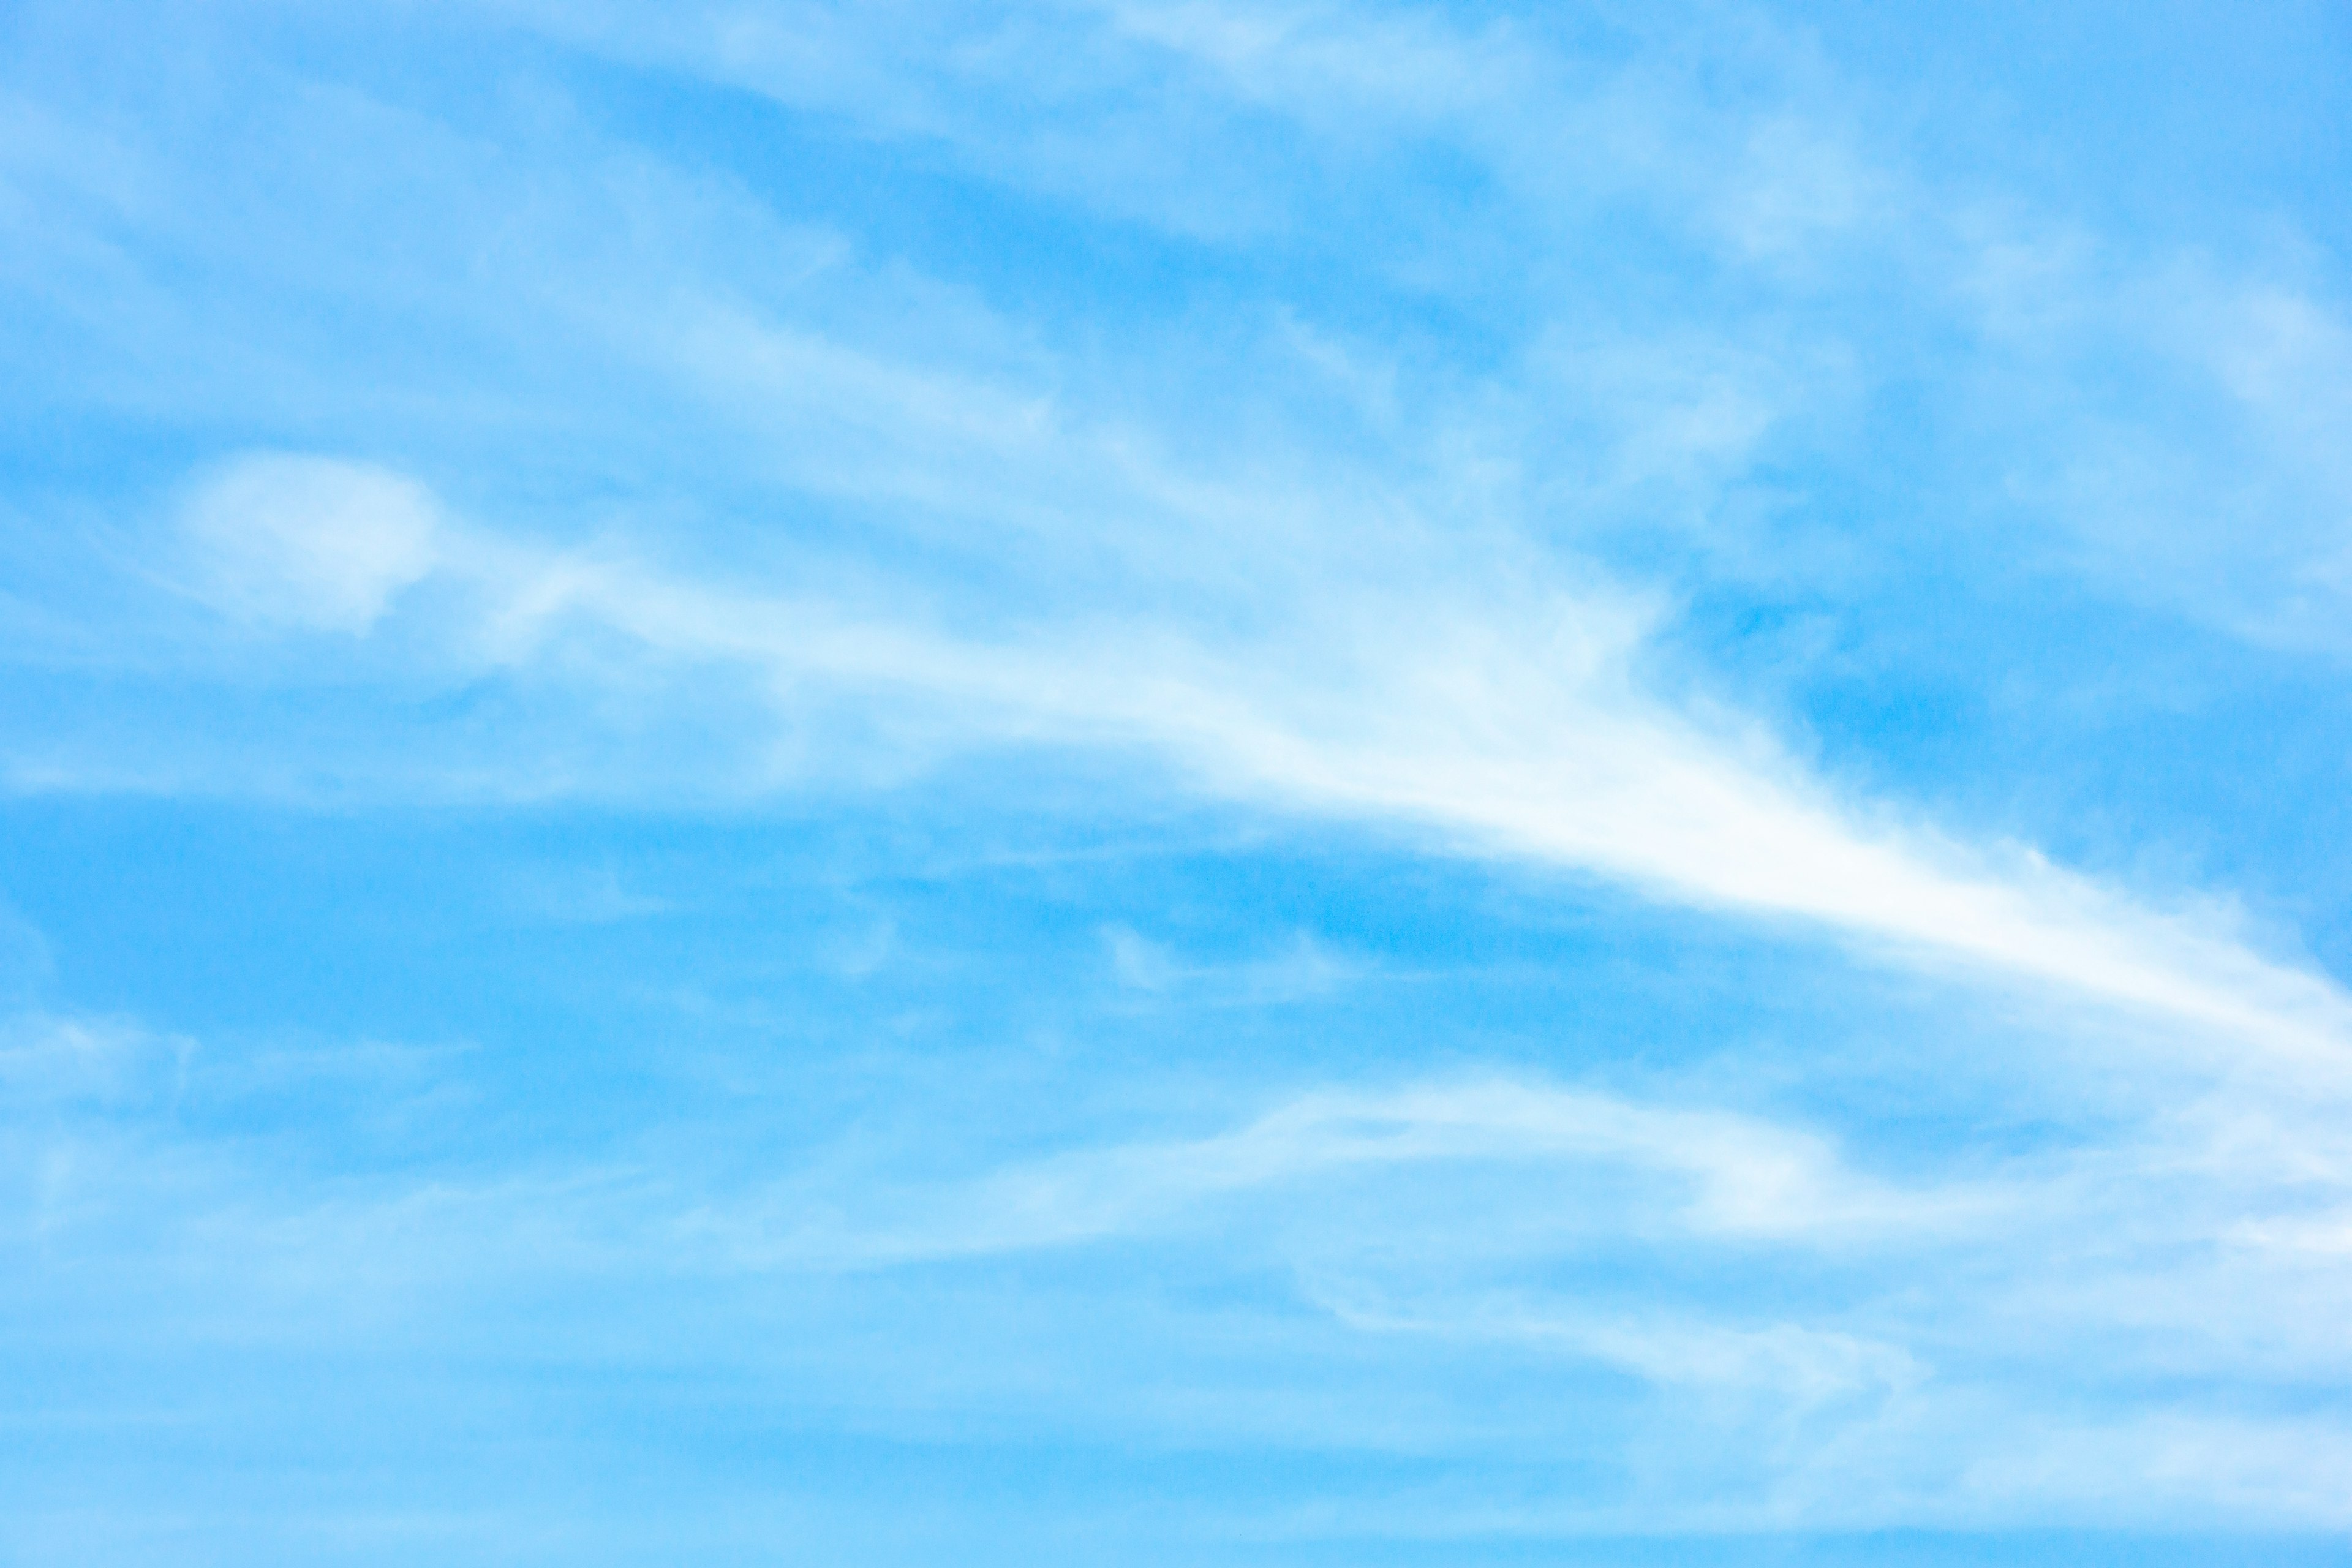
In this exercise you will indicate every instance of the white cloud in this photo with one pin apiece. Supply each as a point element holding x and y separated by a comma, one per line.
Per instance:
<point>1306,970</point>
<point>2223,498</point>
<point>46,1059</point>
<point>310,541</point>
<point>1809,1365</point>
<point>1507,722</point>
<point>1697,1173</point>
<point>1823,1346</point>
<point>1305,640</point>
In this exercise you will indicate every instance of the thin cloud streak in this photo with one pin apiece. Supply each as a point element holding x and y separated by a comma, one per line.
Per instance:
<point>1505,734</point>
<point>1458,1224</point>
<point>1788,180</point>
<point>1729,1177</point>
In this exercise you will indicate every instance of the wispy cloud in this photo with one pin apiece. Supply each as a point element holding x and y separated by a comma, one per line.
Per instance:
<point>1516,729</point>
<point>1489,1230</point>
<point>1638,464</point>
<point>1724,1175</point>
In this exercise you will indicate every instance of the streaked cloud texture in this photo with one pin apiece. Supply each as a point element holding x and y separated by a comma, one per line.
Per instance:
<point>1175,783</point>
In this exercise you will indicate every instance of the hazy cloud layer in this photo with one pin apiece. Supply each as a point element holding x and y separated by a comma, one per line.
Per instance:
<point>1172,781</point>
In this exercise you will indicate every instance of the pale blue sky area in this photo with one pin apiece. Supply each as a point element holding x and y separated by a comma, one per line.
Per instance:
<point>1175,783</point>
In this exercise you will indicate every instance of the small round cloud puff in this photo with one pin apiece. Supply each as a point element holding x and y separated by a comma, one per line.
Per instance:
<point>310,541</point>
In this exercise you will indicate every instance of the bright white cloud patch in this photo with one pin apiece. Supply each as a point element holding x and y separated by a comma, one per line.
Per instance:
<point>310,541</point>
<point>1518,733</point>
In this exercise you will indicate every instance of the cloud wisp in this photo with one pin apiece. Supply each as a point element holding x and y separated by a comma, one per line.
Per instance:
<point>1501,725</point>
<point>1468,774</point>
<point>1460,1258</point>
<point>1723,1177</point>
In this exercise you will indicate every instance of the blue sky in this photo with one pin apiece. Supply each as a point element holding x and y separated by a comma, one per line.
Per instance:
<point>1175,783</point>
